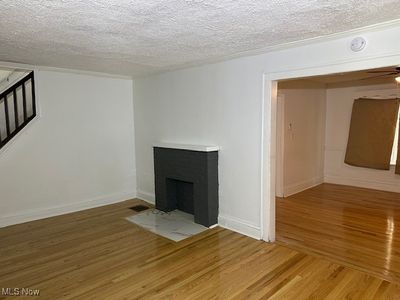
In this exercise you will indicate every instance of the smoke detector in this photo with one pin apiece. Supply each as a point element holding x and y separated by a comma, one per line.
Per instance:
<point>357,44</point>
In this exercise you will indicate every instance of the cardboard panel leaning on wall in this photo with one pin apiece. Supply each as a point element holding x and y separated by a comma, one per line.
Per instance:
<point>372,132</point>
<point>79,153</point>
<point>339,107</point>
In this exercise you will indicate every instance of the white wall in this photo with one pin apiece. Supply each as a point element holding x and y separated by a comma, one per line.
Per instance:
<point>13,77</point>
<point>222,104</point>
<point>79,153</point>
<point>304,138</point>
<point>205,106</point>
<point>339,107</point>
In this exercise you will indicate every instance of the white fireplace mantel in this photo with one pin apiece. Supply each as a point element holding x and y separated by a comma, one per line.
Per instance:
<point>202,148</point>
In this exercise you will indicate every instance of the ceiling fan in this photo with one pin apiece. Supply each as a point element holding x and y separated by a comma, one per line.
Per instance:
<point>395,72</point>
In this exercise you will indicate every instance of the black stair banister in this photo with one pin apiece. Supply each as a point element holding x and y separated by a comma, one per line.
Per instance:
<point>24,102</point>
<point>7,115</point>
<point>5,98</point>
<point>15,108</point>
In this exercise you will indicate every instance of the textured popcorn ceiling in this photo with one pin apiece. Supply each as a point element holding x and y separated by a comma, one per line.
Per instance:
<point>146,36</point>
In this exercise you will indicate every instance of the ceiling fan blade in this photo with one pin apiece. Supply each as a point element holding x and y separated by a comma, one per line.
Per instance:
<point>387,71</point>
<point>380,76</point>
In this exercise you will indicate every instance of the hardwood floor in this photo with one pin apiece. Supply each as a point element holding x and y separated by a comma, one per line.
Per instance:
<point>352,226</point>
<point>97,254</point>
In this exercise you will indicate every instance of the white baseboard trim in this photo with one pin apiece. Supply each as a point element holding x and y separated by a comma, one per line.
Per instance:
<point>363,183</point>
<point>239,226</point>
<point>32,215</point>
<point>145,196</point>
<point>302,186</point>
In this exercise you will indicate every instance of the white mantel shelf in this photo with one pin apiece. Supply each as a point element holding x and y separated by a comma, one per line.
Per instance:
<point>202,148</point>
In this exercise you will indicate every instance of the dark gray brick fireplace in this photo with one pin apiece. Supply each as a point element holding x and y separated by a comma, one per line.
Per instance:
<point>186,178</point>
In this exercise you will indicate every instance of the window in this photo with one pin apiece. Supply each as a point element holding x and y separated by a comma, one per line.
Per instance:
<point>395,144</point>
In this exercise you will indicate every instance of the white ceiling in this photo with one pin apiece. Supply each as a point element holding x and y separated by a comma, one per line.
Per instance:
<point>143,36</point>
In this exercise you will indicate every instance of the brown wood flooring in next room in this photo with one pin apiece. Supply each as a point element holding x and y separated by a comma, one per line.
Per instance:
<point>97,254</point>
<point>352,226</point>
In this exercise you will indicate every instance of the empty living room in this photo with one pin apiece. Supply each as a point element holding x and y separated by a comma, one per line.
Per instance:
<point>197,149</point>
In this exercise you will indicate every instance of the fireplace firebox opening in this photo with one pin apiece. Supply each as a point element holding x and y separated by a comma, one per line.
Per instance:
<point>180,195</point>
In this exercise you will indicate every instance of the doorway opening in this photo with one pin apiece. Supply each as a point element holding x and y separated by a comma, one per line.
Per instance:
<point>332,199</point>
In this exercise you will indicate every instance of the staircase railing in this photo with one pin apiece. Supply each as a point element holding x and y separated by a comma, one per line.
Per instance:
<point>17,108</point>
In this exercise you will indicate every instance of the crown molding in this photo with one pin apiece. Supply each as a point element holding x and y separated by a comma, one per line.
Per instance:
<point>15,65</point>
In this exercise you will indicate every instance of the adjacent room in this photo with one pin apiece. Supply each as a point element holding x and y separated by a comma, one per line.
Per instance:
<point>338,185</point>
<point>198,149</point>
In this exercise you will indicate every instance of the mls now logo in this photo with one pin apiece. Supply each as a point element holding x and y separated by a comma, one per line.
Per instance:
<point>19,292</point>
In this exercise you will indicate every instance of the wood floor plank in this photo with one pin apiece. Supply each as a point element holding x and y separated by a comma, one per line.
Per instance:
<point>97,254</point>
<point>353,226</point>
